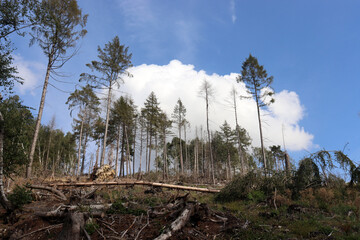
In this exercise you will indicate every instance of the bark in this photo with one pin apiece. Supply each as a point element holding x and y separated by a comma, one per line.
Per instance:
<point>38,120</point>
<point>238,135</point>
<point>117,151</point>
<point>79,149</point>
<point>180,151</point>
<point>156,153</point>
<point>102,159</point>
<point>179,223</point>
<point>84,152</point>
<point>134,146</point>
<point>3,199</point>
<point>50,189</point>
<point>122,151</point>
<point>287,164</point>
<point>73,226</point>
<point>141,148</point>
<point>149,163</point>
<point>97,154</point>
<point>186,150</point>
<point>127,154</point>
<point>131,183</point>
<point>209,139</point>
<point>261,135</point>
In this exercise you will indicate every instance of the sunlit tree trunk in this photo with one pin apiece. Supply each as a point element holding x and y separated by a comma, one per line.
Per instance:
<point>38,120</point>
<point>102,159</point>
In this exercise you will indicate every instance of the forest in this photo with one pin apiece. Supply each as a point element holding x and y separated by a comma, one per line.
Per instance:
<point>136,172</point>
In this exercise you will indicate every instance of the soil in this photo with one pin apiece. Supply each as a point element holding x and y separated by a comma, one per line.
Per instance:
<point>144,216</point>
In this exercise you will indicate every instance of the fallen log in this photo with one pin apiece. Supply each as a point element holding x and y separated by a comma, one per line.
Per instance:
<point>154,184</point>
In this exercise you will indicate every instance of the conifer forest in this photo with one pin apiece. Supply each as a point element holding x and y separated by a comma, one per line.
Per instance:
<point>135,170</point>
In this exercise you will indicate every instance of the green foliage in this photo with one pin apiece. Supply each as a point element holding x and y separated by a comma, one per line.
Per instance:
<point>118,208</point>
<point>18,122</point>
<point>306,176</point>
<point>20,196</point>
<point>256,196</point>
<point>60,23</point>
<point>91,227</point>
<point>114,60</point>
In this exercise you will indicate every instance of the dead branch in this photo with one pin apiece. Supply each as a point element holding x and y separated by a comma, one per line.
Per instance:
<point>179,223</point>
<point>63,209</point>
<point>128,228</point>
<point>147,224</point>
<point>50,189</point>
<point>154,184</point>
<point>41,229</point>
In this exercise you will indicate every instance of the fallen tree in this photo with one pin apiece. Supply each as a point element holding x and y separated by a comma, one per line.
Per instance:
<point>130,183</point>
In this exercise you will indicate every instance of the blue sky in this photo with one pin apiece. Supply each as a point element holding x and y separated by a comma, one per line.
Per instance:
<point>312,48</point>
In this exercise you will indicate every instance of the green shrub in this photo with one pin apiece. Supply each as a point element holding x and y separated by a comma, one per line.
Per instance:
<point>119,208</point>
<point>256,196</point>
<point>19,197</point>
<point>306,176</point>
<point>91,227</point>
<point>242,186</point>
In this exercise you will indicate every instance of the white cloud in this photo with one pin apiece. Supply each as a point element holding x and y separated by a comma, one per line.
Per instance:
<point>31,72</point>
<point>177,80</point>
<point>232,9</point>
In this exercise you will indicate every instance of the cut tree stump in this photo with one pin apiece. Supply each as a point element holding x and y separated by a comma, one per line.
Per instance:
<point>72,227</point>
<point>154,184</point>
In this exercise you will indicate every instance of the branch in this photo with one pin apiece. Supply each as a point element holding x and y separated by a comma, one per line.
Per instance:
<point>50,189</point>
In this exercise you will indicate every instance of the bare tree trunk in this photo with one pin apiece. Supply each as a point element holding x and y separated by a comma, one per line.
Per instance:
<point>156,154</point>
<point>149,164</point>
<point>165,156</point>
<point>117,151</point>
<point>233,92</point>
<point>209,139</point>
<point>128,170</point>
<point>97,154</point>
<point>261,135</point>
<point>146,150</point>
<point>122,151</point>
<point>79,149</point>
<point>102,159</point>
<point>180,151</point>
<point>134,146</point>
<point>38,120</point>
<point>287,163</point>
<point>141,148</point>
<point>84,153</point>
<point>3,199</point>
<point>186,150</point>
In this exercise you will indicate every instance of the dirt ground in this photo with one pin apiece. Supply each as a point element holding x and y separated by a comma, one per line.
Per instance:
<point>136,213</point>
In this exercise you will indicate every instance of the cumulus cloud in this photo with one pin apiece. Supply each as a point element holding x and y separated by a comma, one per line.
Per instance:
<point>177,80</point>
<point>31,72</point>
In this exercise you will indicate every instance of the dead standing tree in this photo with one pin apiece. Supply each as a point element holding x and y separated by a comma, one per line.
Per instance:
<point>207,92</point>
